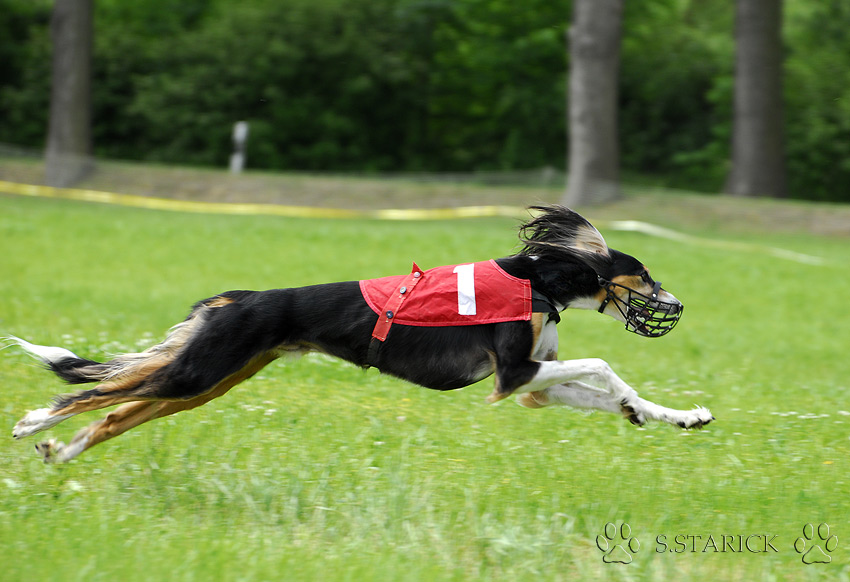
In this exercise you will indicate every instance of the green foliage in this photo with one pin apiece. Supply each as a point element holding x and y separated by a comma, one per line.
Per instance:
<point>676,82</point>
<point>818,99</point>
<point>499,82</point>
<point>24,71</point>
<point>318,91</point>
<point>431,85</point>
<point>375,85</point>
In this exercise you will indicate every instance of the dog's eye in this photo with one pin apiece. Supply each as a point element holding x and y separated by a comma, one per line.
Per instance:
<point>646,278</point>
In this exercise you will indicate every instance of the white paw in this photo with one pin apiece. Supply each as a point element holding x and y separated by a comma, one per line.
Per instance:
<point>49,450</point>
<point>53,451</point>
<point>696,418</point>
<point>37,421</point>
<point>638,411</point>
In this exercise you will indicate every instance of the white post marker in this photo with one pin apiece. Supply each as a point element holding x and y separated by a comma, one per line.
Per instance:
<point>240,138</point>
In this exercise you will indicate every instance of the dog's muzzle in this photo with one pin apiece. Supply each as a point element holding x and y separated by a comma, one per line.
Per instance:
<point>645,315</point>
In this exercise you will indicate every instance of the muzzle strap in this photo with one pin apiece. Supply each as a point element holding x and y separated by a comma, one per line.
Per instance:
<point>655,289</point>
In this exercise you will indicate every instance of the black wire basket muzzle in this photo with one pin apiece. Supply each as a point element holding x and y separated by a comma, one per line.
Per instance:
<point>645,315</point>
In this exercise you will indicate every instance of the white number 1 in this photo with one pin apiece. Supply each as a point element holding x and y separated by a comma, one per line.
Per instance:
<point>465,289</point>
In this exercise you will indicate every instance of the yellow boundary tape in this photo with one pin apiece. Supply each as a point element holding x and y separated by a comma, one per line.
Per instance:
<point>243,209</point>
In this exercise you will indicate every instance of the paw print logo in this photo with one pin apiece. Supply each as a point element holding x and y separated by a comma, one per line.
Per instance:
<point>814,554</point>
<point>619,553</point>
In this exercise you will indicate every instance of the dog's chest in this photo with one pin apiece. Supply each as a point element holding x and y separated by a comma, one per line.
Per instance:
<point>469,294</point>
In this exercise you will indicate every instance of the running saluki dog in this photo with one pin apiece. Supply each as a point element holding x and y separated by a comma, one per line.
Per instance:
<point>443,328</point>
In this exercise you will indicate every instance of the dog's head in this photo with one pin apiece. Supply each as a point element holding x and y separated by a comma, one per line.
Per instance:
<point>623,287</point>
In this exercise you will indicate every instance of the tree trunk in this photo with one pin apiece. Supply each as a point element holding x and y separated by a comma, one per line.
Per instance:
<point>69,143</point>
<point>594,155</point>
<point>758,145</point>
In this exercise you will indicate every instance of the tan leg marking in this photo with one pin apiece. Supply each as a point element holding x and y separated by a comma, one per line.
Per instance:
<point>537,324</point>
<point>532,400</point>
<point>132,414</point>
<point>125,381</point>
<point>537,399</point>
<point>538,320</point>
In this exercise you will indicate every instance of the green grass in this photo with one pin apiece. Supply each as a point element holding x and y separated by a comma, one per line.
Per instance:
<point>317,470</point>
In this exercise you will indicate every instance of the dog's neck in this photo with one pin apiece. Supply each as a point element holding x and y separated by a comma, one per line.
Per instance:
<point>563,283</point>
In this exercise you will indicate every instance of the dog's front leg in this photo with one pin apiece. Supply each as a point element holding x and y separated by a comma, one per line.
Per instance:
<point>588,384</point>
<point>592,384</point>
<point>575,395</point>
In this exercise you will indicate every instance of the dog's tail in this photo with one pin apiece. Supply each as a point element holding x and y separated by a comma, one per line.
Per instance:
<point>64,363</point>
<point>76,370</point>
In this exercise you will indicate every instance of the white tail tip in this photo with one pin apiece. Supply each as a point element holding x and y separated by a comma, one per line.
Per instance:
<point>46,354</point>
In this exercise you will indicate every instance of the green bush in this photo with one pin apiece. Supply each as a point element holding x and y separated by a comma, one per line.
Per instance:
<point>426,85</point>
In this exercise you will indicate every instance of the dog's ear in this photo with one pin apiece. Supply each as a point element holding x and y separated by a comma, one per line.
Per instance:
<point>588,239</point>
<point>559,227</point>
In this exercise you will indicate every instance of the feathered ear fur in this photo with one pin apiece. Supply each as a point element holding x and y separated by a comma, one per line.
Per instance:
<point>559,229</point>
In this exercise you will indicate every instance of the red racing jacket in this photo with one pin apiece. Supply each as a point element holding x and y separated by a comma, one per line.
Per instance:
<point>469,294</point>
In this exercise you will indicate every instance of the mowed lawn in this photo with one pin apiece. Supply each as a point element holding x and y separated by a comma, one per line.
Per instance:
<point>317,470</point>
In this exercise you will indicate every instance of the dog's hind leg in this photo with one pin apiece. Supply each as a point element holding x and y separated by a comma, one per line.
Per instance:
<point>132,414</point>
<point>119,420</point>
<point>126,378</point>
<point>36,421</point>
<point>56,359</point>
<point>127,388</point>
